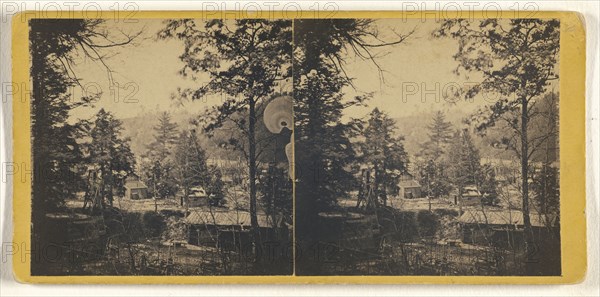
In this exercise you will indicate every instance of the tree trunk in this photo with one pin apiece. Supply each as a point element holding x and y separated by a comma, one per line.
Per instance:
<point>429,201</point>
<point>384,184</point>
<point>376,186</point>
<point>252,173</point>
<point>525,173</point>
<point>460,200</point>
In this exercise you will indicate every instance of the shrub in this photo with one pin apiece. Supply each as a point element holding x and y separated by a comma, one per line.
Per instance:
<point>446,212</point>
<point>154,223</point>
<point>399,225</point>
<point>176,228</point>
<point>428,223</point>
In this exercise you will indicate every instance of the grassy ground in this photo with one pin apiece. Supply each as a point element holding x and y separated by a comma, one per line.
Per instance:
<point>439,252</point>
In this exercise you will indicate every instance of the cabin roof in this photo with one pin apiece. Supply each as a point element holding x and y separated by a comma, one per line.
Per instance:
<point>226,218</point>
<point>410,183</point>
<point>503,217</point>
<point>135,184</point>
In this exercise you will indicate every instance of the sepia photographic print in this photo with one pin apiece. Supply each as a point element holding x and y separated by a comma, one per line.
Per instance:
<point>175,158</point>
<point>427,148</point>
<point>295,147</point>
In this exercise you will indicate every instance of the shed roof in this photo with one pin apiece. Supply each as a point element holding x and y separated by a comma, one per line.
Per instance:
<point>135,184</point>
<point>410,183</point>
<point>226,218</point>
<point>503,217</point>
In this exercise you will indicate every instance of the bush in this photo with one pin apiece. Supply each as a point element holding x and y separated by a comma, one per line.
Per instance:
<point>125,226</point>
<point>428,223</point>
<point>399,225</point>
<point>176,229</point>
<point>446,212</point>
<point>154,224</point>
<point>171,213</point>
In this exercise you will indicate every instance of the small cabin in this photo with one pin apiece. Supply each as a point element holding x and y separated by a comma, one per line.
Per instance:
<point>409,188</point>
<point>197,197</point>
<point>503,227</point>
<point>471,196</point>
<point>231,230</point>
<point>135,189</point>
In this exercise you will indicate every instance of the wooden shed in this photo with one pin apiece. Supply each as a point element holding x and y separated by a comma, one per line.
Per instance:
<point>135,189</point>
<point>409,189</point>
<point>503,227</point>
<point>229,229</point>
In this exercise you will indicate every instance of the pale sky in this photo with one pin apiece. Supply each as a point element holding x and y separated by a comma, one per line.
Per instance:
<point>145,71</point>
<point>419,68</point>
<point>149,71</point>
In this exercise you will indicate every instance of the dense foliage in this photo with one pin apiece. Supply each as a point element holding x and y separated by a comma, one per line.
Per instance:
<point>383,153</point>
<point>110,154</point>
<point>517,59</point>
<point>245,60</point>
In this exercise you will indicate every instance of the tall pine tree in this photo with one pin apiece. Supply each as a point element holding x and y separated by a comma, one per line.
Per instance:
<point>488,185</point>
<point>192,169</point>
<point>110,152</point>
<point>159,167</point>
<point>384,154</point>
<point>440,136</point>
<point>517,59</point>
<point>245,60</point>
<point>324,155</point>
<point>55,150</point>
<point>165,138</point>
<point>56,155</point>
<point>464,162</point>
<point>433,164</point>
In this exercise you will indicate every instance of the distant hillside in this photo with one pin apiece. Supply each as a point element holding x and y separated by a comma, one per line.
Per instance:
<point>415,131</point>
<point>141,131</point>
<point>141,128</point>
<point>413,128</point>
